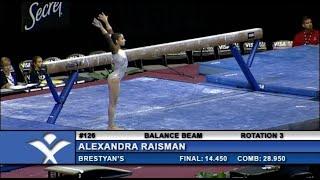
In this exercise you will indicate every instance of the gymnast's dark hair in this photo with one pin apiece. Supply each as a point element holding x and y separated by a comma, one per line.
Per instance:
<point>115,37</point>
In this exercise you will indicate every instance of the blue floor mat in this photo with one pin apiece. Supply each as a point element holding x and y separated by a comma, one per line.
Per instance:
<point>150,103</point>
<point>290,71</point>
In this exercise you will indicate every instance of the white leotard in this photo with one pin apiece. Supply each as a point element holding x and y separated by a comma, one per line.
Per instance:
<point>120,62</point>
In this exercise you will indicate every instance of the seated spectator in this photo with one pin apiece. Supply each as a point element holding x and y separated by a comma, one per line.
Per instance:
<point>8,75</point>
<point>36,75</point>
<point>308,35</point>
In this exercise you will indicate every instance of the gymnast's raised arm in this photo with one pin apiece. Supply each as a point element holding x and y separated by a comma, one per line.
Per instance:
<point>104,19</point>
<point>106,31</point>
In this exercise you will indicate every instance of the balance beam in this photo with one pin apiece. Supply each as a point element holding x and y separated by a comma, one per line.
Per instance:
<point>154,51</point>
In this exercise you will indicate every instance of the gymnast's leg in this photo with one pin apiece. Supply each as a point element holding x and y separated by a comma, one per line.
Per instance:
<point>114,89</point>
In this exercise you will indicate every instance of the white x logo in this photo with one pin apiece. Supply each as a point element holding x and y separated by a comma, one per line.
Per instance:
<point>49,138</point>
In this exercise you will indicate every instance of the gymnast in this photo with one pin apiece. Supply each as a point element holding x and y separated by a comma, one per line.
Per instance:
<point>120,61</point>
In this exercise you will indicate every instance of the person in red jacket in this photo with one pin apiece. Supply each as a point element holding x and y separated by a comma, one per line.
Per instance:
<point>308,35</point>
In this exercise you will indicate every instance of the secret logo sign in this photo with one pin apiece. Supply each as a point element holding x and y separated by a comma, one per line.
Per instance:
<point>37,16</point>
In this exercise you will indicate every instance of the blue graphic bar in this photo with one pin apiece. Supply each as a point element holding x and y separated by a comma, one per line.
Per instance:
<point>37,147</point>
<point>61,147</point>
<point>198,158</point>
<point>197,146</point>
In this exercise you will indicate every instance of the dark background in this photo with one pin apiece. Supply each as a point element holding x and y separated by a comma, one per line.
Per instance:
<point>145,23</point>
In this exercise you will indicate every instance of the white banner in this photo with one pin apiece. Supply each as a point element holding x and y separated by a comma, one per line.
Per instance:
<point>198,135</point>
